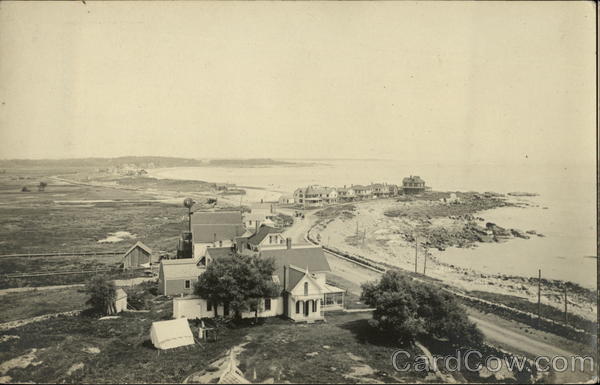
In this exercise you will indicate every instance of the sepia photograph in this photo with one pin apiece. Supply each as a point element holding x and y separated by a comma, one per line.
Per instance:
<point>288,192</point>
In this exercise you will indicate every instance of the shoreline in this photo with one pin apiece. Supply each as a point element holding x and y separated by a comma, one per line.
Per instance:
<point>385,244</point>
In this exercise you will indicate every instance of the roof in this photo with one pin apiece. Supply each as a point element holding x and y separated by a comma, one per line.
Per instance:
<point>171,333</point>
<point>220,252</point>
<point>260,214</point>
<point>216,217</point>
<point>413,179</point>
<point>262,233</point>
<point>360,187</point>
<point>312,258</point>
<point>181,268</point>
<point>141,246</point>
<point>207,233</point>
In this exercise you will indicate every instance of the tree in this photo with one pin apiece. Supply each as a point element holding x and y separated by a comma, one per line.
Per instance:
<point>240,282</point>
<point>102,293</point>
<point>406,309</point>
<point>42,186</point>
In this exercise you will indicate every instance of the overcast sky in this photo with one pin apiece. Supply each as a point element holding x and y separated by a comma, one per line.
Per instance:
<point>459,82</point>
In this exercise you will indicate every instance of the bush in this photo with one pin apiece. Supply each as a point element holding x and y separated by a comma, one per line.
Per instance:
<point>406,309</point>
<point>102,293</point>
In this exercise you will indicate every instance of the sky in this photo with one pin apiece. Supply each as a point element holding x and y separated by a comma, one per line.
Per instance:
<point>457,82</point>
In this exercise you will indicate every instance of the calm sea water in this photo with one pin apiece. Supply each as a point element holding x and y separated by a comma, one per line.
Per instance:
<point>568,193</point>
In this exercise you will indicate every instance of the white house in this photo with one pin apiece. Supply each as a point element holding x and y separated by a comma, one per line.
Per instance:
<point>305,293</point>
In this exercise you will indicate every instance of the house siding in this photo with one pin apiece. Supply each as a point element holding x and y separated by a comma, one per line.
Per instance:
<point>193,307</point>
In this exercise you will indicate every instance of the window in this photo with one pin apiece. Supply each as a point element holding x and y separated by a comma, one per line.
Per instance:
<point>305,288</point>
<point>226,310</point>
<point>314,306</point>
<point>267,304</point>
<point>209,306</point>
<point>187,283</point>
<point>299,307</point>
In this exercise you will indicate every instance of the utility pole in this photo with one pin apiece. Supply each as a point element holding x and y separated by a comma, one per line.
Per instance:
<point>539,296</point>
<point>357,230</point>
<point>364,236</point>
<point>566,314</point>
<point>416,251</point>
<point>424,262</point>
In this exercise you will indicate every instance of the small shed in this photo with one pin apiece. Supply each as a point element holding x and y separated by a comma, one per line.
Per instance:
<point>171,334</point>
<point>138,255</point>
<point>120,300</point>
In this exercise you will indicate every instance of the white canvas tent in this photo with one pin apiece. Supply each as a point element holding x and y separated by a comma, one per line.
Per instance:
<point>171,334</point>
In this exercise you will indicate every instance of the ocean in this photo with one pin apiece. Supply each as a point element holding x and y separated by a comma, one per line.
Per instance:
<point>564,211</point>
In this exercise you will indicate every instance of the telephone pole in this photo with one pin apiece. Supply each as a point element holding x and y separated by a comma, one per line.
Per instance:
<point>539,296</point>
<point>416,251</point>
<point>566,314</point>
<point>424,262</point>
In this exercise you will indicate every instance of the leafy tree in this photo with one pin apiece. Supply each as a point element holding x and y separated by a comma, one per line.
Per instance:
<point>25,189</point>
<point>406,309</point>
<point>240,282</point>
<point>102,293</point>
<point>42,186</point>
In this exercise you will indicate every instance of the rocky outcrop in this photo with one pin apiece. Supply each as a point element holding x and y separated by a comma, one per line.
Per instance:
<point>519,234</point>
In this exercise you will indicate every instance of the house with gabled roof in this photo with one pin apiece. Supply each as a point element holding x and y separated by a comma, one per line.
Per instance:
<point>215,229</point>
<point>178,276</point>
<point>265,237</point>
<point>305,293</point>
<point>137,256</point>
<point>362,192</point>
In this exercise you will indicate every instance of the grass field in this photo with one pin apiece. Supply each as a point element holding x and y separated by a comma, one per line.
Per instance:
<point>16,306</point>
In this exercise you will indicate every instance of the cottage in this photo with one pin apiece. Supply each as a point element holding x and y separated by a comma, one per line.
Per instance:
<point>138,256</point>
<point>265,237</point>
<point>379,190</point>
<point>362,192</point>
<point>413,185</point>
<point>299,260</point>
<point>315,196</point>
<point>178,276</point>
<point>215,229</point>
<point>346,194</point>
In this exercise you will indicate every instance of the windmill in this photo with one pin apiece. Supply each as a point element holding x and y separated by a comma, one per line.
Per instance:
<point>189,203</point>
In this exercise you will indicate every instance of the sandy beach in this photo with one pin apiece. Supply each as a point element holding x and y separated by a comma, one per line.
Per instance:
<point>390,241</point>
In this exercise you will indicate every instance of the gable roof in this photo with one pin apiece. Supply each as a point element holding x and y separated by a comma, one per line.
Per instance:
<point>311,258</point>
<point>262,233</point>
<point>207,233</point>
<point>220,252</point>
<point>216,217</point>
<point>181,268</point>
<point>141,246</point>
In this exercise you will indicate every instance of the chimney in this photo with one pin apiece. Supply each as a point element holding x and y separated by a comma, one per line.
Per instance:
<point>288,243</point>
<point>214,239</point>
<point>286,277</point>
<point>256,227</point>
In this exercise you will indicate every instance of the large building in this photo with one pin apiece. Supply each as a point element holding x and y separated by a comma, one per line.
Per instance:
<point>305,294</point>
<point>315,196</point>
<point>413,185</point>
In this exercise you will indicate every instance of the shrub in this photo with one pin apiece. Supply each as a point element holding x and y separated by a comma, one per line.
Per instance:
<point>406,309</point>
